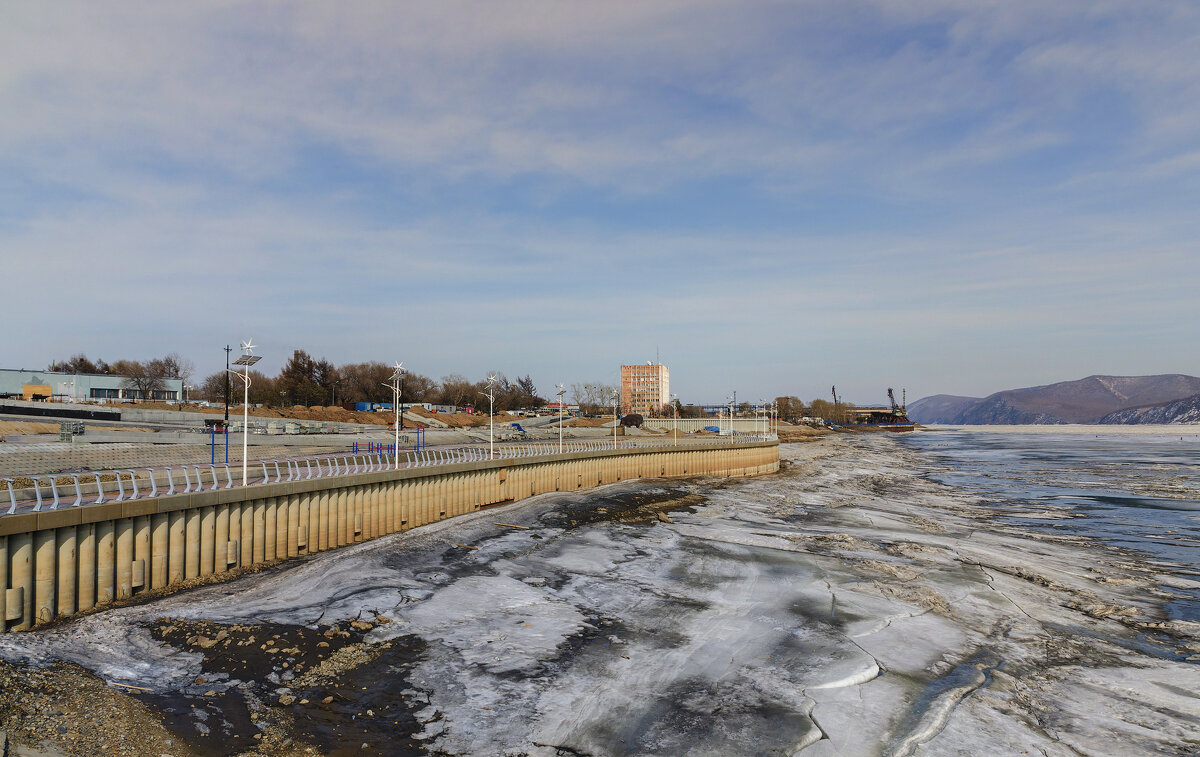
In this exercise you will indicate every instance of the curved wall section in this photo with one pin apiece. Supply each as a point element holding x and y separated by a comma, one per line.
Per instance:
<point>60,562</point>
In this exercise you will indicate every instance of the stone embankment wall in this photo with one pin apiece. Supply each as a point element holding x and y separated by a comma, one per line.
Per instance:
<point>59,562</point>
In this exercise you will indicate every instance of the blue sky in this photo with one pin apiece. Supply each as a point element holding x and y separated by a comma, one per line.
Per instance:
<point>947,196</point>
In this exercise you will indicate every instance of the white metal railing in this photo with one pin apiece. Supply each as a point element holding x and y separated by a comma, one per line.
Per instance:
<point>211,477</point>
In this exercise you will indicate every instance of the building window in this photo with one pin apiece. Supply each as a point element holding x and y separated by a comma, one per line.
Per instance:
<point>104,394</point>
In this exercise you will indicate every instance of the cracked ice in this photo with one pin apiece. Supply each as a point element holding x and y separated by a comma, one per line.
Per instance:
<point>844,606</point>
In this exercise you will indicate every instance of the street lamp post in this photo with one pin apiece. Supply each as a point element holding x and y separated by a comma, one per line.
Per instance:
<point>616,396</point>
<point>675,422</point>
<point>247,359</point>
<point>396,377</point>
<point>561,392</point>
<point>491,395</point>
<point>185,391</point>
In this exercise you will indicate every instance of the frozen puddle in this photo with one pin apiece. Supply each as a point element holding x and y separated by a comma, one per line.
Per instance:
<point>845,606</point>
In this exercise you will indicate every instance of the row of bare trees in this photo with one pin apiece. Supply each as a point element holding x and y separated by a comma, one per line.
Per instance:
<point>592,398</point>
<point>309,381</point>
<point>792,409</point>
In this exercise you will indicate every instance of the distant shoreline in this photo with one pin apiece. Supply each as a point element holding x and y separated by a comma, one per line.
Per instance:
<point>1166,429</point>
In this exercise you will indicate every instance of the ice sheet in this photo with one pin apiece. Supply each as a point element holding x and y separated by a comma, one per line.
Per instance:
<point>845,606</point>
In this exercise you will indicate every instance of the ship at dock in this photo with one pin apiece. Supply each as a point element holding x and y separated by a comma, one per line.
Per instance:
<point>893,417</point>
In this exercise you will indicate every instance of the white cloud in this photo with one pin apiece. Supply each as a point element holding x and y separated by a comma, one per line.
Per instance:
<point>161,156</point>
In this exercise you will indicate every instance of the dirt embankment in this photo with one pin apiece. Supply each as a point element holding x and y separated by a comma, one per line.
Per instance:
<point>27,427</point>
<point>462,420</point>
<point>37,427</point>
<point>333,414</point>
<point>801,433</point>
<point>329,414</point>
<point>590,422</point>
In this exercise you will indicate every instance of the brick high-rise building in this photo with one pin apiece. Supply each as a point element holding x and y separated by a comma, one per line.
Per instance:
<point>645,388</point>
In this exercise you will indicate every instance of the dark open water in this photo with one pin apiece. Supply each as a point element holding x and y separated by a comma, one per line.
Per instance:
<point>1139,491</point>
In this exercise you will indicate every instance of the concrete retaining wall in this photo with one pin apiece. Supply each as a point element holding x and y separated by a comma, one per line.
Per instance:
<point>57,563</point>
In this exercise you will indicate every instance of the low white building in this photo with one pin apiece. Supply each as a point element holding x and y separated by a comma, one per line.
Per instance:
<point>79,387</point>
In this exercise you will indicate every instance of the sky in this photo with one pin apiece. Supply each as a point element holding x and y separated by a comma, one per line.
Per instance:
<point>949,196</point>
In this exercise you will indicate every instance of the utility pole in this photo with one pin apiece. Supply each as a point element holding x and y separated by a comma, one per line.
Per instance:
<point>227,351</point>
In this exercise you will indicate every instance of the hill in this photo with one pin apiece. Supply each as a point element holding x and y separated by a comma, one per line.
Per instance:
<point>940,408</point>
<point>1186,410</point>
<point>1087,400</point>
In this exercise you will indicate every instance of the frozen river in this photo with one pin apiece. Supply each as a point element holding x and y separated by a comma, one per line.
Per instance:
<point>878,596</point>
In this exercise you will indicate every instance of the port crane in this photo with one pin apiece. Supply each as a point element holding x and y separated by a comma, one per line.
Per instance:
<point>899,411</point>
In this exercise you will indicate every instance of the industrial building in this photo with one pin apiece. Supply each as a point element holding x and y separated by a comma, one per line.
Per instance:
<point>79,387</point>
<point>645,388</point>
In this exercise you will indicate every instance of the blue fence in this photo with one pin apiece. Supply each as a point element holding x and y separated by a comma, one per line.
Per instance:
<point>384,448</point>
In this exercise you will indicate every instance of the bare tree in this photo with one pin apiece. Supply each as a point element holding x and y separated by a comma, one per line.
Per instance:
<point>526,395</point>
<point>592,397</point>
<point>124,367</point>
<point>456,390</point>
<point>505,392</point>
<point>177,366</point>
<point>213,387</point>
<point>825,409</point>
<point>264,390</point>
<point>143,380</point>
<point>790,409</point>
<point>417,388</point>
<point>364,382</point>
<point>78,363</point>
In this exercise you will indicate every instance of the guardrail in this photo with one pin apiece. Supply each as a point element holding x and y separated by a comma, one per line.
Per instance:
<point>302,468</point>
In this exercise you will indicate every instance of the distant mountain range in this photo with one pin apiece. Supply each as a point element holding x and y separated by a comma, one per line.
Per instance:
<point>1169,398</point>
